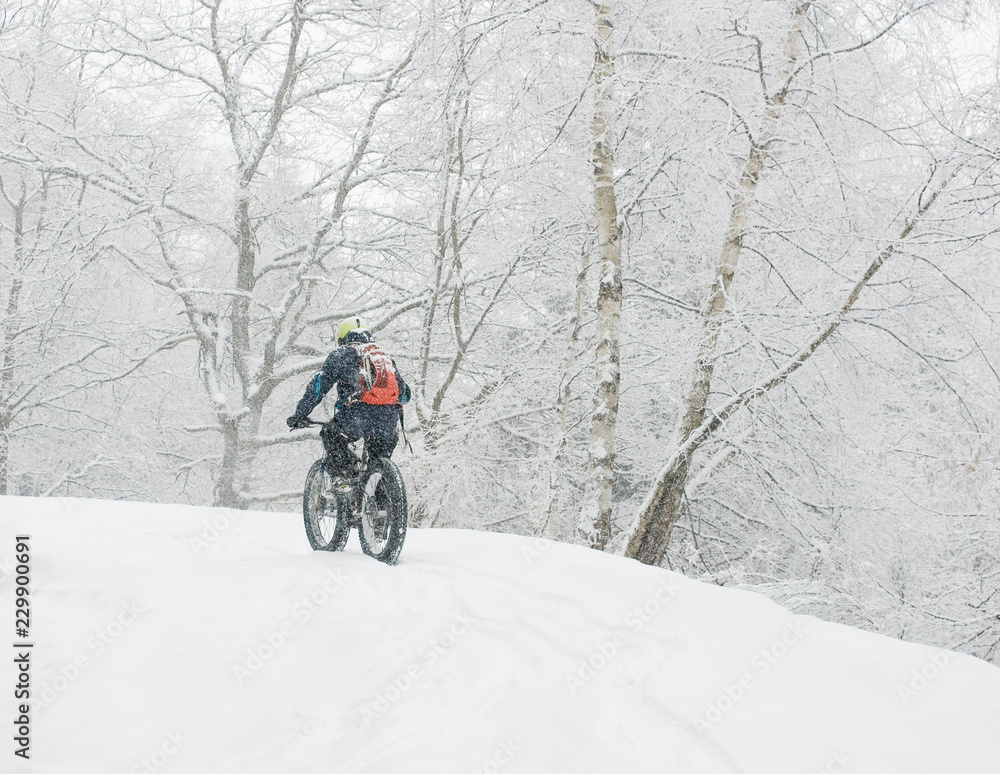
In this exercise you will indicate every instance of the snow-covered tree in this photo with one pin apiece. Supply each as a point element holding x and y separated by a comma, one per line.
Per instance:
<point>259,177</point>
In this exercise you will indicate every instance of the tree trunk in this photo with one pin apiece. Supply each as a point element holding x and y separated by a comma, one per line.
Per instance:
<point>230,491</point>
<point>559,433</point>
<point>595,520</point>
<point>650,534</point>
<point>239,431</point>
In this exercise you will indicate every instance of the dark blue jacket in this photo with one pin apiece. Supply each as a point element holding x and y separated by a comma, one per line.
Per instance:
<point>357,419</point>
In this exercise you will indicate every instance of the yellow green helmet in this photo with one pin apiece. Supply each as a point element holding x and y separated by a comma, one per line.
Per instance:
<point>348,325</point>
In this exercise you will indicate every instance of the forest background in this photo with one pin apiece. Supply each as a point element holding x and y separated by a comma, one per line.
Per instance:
<point>712,284</point>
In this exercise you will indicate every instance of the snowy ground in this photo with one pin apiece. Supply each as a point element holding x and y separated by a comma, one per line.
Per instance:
<point>176,639</point>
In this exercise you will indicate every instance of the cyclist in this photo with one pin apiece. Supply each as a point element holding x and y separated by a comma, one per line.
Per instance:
<point>370,394</point>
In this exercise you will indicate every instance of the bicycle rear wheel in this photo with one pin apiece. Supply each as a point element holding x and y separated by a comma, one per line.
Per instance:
<point>383,511</point>
<point>325,513</point>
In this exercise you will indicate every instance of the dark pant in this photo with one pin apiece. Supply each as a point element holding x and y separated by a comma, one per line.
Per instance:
<point>376,424</point>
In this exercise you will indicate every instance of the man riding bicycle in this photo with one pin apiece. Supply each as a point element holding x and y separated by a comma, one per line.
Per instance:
<point>370,394</point>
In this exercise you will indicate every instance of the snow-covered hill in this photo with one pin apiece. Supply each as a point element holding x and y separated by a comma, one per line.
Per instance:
<point>177,639</point>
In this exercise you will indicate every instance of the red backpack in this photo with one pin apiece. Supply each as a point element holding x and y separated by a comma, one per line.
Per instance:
<point>376,375</point>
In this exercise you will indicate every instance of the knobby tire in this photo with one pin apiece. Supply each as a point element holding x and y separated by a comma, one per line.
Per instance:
<point>383,512</point>
<point>326,515</point>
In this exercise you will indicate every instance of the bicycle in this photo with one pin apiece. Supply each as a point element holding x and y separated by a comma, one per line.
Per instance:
<point>371,497</point>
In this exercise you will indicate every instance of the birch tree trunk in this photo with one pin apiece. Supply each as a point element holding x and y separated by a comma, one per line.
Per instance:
<point>650,534</point>
<point>595,521</point>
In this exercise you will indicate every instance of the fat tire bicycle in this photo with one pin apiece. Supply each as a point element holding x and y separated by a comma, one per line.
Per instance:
<point>371,497</point>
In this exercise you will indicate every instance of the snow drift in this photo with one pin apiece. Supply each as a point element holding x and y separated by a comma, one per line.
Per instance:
<point>171,638</point>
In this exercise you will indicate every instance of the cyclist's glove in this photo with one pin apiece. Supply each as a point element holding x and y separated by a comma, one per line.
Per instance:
<point>295,422</point>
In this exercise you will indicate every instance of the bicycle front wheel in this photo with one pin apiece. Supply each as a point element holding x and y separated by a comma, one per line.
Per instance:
<point>326,515</point>
<point>383,512</point>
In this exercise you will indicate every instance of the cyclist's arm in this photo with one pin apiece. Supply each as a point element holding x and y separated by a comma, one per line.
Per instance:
<point>320,384</point>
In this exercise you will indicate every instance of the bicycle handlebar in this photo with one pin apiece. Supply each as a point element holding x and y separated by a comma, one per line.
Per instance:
<point>308,423</point>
